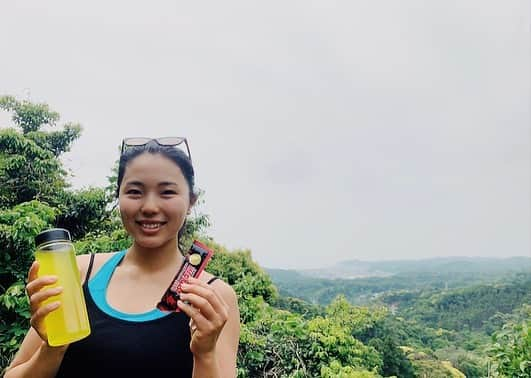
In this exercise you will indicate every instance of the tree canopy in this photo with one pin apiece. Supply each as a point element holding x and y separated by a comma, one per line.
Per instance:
<point>281,336</point>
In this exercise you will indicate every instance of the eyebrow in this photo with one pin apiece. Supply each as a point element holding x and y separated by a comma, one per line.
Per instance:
<point>166,183</point>
<point>137,183</point>
<point>163,183</point>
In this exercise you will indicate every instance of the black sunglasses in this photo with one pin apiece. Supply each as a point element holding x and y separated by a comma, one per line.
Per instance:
<point>165,141</point>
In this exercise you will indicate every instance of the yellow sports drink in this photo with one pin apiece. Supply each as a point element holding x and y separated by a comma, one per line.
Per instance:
<point>56,256</point>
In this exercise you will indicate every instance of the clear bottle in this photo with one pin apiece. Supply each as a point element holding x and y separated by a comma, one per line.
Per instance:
<point>56,256</point>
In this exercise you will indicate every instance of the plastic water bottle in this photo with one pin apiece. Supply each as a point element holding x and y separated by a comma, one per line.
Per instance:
<point>56,256</point>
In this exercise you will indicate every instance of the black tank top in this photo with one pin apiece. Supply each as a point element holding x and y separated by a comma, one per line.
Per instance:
<point>121,348</point>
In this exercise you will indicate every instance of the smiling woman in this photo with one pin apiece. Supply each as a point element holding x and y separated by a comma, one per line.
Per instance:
<point>130,336</point>
<point>154,200</point>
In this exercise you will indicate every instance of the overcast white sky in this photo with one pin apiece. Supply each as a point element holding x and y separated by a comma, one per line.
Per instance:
<point>320,130</point>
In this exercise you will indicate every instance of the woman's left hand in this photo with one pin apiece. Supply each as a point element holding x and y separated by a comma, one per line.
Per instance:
<point>208,314</point>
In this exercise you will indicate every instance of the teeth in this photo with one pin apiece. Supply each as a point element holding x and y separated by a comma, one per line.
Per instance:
<point>151,225</point>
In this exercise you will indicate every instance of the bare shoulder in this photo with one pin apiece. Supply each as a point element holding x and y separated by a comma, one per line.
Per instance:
<point>99,260</point>
<point>223,288</point>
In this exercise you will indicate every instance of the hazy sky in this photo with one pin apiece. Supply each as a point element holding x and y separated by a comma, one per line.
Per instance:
<point>320,130</point>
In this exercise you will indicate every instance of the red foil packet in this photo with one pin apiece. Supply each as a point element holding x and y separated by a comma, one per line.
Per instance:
<point>194,263</point>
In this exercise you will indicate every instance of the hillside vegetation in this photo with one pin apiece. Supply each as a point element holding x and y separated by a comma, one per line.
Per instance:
<point>411,324</point>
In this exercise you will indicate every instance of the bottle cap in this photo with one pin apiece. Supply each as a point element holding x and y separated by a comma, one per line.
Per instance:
<point>53,234</point>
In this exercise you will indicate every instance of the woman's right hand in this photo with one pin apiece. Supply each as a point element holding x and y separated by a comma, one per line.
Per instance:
<point>37,293</point>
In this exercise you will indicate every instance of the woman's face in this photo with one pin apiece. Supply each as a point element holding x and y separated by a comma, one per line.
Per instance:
<point>154,200</point>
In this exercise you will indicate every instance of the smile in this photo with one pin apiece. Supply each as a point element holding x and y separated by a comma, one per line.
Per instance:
<point>151,225</point>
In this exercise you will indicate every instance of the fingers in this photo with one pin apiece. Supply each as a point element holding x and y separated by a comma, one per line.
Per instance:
<point>35,288</point>
<point>39,310</point>
<point>207,310</point>
<point>39,315</point>
<point>42,295</point>
<point>33,271</point>
<point>37,284</point>
<point>197,320</point>
<point>193,313</point>
<point>201,304</point>
<point>192,325</point>
<point>38,293</point>
<point>209,296</point>
<point>37,319</point>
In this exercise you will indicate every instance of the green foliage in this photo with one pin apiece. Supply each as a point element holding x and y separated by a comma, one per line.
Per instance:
<point>360,320</point>
<point>395,362</point>
<point>279,343</point>
<point>427,365</point>
<point>112,241</point>
<point>332,340</point>
<point>298,306</point>
<point>370,326</point>
<point>239,270</point>
<point>470,366</point>
<point>511,350</point>
<point>34,197</point>
<point>469,308</point>
<point>29,168</point>
<point>18,227</point>
<point>281,336</point>
<point>56,142</point>
<point>14,307</point>
<point>261,352</point>
<point>470,363</point>
<point>194,228</point>
<point>467,362</point>
<point>30,117</point>
<point>27,171</point>
<point>336,370</point>
<point>83,211</point>
<point>413,333</point>
<point>400,277</point>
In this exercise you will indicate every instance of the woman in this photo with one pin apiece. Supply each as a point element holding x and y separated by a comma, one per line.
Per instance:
<point>129,336</point>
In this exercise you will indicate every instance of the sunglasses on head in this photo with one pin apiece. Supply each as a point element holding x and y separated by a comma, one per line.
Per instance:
<point>165,141</point>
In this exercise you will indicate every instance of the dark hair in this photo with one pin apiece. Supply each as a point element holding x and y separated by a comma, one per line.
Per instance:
<point>172,153</point>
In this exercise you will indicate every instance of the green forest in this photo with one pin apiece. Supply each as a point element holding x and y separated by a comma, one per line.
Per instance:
<point>419,322</point>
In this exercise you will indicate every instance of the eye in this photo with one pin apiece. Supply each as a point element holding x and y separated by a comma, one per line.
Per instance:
<point>168,192</point>
<point>133,192</point>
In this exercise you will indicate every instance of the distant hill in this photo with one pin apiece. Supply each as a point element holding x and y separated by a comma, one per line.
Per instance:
<point>476,307</point>
<point>362,281</point>
<point>351,269</point>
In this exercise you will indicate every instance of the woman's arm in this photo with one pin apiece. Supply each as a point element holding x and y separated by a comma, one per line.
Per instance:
<point>215,328</point>
<point>35,358</point>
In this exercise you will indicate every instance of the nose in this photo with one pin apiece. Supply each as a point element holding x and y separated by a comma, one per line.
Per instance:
<point>150,205</point>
